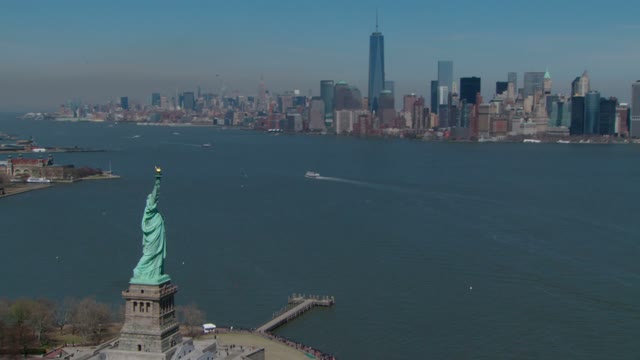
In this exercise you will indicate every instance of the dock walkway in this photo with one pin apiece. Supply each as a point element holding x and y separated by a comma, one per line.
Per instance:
<point>297,305</point>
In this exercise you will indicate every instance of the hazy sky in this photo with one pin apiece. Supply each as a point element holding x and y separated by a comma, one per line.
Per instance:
<point>53,51</point>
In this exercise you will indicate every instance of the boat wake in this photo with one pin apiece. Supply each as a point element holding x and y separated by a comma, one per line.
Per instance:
<point>359,183</point>
<point>184,144</point>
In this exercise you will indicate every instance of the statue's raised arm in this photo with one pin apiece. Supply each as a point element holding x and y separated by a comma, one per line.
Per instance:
<point>150,268</point>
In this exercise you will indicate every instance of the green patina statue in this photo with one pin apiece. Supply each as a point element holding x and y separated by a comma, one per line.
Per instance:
<point>150,268</point>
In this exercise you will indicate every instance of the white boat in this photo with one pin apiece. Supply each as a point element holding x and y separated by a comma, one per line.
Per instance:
<point>535,141</point>
<point>206,145</point>
<point>38,180</point>
<point>312,175</point>
<point>564,142</point>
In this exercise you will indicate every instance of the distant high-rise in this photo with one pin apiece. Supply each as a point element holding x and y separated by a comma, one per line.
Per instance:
<point>547,82</point>
<point>376,67</point>
<point>635,109</point>
<point>575,87</point>
<point>390,85</point>
<point>591,112</point>
<point>188,101</point>
<point>469,88</point>
<point>577,115</point>
<point>607,121</point>
<point>155,99</point>
<point>316,114</point>
<point>387,109</point>
<point>512,78</point>
<point>124,103</point>
<point>584,85</point>
<point>501,87</point>
<point>445,75</point>
<point>434,96</point>
<point>533,82</point>
<point>346,97</point>
<point>408,101</point>
<point>326,93</point>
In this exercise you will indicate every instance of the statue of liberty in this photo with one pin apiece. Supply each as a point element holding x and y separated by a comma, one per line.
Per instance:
<point>150,268</point>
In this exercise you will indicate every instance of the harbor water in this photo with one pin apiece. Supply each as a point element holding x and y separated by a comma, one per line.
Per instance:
<point>432,250</point>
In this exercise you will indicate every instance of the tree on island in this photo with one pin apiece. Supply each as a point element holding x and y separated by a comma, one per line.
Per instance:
<point>192,318</point>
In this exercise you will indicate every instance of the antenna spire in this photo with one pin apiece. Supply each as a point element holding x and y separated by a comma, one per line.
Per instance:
<point>376,20</point>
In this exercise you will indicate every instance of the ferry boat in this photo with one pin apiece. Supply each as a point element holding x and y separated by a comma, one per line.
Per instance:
<point>312,175</point>
<point>206,145</point>
<point>564,142</point>
<point>534,141</point>
<point>38,180</point>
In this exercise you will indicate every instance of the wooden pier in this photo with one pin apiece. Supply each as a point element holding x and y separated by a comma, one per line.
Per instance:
<point>297,305</point>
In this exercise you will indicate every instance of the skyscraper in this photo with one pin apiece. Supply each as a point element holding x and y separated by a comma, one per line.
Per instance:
<point>635,109</point>
<point>607,123</point>
<point>188,101</point>
<point>376,67</point>
<point>584,85</point>
<point>501,86</point>
<point>434,96</point>
<point>326,93</point>
<point>512,78</point>
<point>155,99</point>
<point>469,87</point>
<point>591,112</point>
<point>316,114</point>
<point>387,108</point>
<point>390,85</point>
<point>533,81</point>
<point>124,103</point>
<point>445,79</point>
<point>577,115</point>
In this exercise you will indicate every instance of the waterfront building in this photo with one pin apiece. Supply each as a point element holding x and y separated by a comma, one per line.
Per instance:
<point>188,101</point>
<point>577,115</point>
<point>445,75</point>
<point>484,120</point>
<point>376,68</point>
<point>607,121</point>
<point>294,122</point>
<point>418,114</point>
<point>344,120</point>
<point>387,109</point>
<point>155,99</point>
<point>533,82</point>
<point>326,93</point>
<point>560,113</point>
<point>592,113</point>
<point>316,114</point>
<point>502,87</point>
<point>469,88</point>
<point>124,103</point>
<point>635,110</point>
<point>622,120</point>
<point>434,96</point>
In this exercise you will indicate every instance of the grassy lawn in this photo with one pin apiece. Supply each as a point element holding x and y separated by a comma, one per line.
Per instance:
<point>273,350</point>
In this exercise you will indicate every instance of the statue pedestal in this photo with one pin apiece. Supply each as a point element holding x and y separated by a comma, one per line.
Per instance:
<point>150,327</point>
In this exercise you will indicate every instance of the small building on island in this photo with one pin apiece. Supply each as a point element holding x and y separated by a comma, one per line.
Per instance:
<point>44,167</point>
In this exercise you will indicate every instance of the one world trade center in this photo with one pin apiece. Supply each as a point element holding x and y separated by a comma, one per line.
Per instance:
<point>376,67</point>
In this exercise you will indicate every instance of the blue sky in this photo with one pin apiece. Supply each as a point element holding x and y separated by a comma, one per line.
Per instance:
<point>98,50</point>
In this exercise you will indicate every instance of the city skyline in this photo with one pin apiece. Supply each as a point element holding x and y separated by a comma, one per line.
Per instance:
<point>105,51</point>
